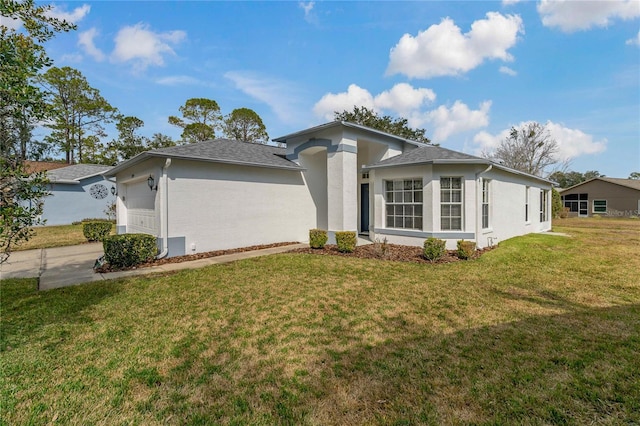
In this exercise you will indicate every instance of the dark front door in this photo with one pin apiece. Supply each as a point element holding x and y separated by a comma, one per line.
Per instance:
<point>364,208</point>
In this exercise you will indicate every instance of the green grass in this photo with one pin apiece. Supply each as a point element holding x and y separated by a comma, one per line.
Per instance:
<point>542,330</point>
<point>54,236</point>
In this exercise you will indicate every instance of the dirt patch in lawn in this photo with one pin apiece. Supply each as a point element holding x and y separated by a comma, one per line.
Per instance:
<point>395,252</point>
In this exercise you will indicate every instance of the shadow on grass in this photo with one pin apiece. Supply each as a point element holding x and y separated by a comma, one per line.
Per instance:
<point>575,368</point>
<point>25,310</point>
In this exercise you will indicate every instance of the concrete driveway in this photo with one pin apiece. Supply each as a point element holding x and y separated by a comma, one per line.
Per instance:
<point>55,267</point>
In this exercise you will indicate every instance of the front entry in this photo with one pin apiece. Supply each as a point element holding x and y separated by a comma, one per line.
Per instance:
<point>364,208</point>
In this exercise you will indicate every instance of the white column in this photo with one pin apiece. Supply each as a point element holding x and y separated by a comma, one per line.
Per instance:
<point>342,187</point>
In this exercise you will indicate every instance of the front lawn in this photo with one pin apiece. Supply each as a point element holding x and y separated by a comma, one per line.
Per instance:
<point>54,236</point>
<point>542,330</point>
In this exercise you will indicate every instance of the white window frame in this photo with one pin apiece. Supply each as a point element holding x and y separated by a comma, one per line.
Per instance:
<point>544,202</point>
<point>486,204</point>
<point>593,206</point>
<point>411,210</point>
<point>450,203</point>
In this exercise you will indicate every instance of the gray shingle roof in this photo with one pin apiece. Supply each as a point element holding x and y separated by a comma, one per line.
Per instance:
<point>220,151</point>
<point>427,154</point>
<point>76,172</point>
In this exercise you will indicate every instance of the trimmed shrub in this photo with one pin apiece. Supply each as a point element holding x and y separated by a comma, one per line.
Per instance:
<point>466,249</point>
<point>564,213</point>
<point>346,241</point>
<point>122,251</point>
<point>434,249</point>
<point>317,238</point>
<point>96,231</point>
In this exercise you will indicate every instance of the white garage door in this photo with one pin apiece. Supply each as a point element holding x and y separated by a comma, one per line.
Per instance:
<point>140,202</point>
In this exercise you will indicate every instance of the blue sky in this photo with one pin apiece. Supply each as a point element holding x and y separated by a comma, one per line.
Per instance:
<point>464,71</point>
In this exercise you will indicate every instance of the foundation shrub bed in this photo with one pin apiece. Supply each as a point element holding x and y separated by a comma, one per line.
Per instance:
<point>466,249</point>
<point>127,250</point>
<point>317,238</point>
<point>346,241</point>
<point>434,249</point>
<point>96,230</point>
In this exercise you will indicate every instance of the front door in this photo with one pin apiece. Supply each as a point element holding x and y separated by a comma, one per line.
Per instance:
<point>364,208</point>
<point>583,209</point>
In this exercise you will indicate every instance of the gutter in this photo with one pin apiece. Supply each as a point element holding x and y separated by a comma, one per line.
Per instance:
<point>164,210</point>
<point>479,203</point>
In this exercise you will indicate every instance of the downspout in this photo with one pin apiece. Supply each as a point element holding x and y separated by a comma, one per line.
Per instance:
<point>164,210</point>
<point>479,203</point>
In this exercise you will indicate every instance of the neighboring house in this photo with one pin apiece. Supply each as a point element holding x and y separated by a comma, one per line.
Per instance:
<point>338,176</point>
<point>42,166</point>
<point>77,192</point>
<point>603,196</point>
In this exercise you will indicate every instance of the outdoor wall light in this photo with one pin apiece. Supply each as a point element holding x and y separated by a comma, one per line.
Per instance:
<point>151,182</point>
<point>114,191</point>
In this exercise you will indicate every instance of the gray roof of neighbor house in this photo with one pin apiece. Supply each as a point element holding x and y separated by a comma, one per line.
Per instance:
<point>629,183</point>
<point>74,173</point>
<point>219,151</point>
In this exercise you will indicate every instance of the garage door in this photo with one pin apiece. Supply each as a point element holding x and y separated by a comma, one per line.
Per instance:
<point>140,202</point>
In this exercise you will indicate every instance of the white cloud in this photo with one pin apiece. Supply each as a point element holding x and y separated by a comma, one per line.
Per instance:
<point>11,23</point>
<point>635,40</point>
<point>508,71</point>
<point>442,49</point>
<point>71,58</point>
<point>510,2</point>
<point>456,119</point>
<point>354,96</point>
<point>402,99</point>
<point>85,40</point>
<point>409,102</point>
<point>279,95</point>
<point>144,47</point>
<point>570,15</point>
<point>572,143</point>
<point>179,80</point>
<point>309,16</point>
<point>74,16</point>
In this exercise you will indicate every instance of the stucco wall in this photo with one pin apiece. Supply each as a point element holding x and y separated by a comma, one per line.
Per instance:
<point>506,206</point>
<point>70,203</point>
<point>218,206</point>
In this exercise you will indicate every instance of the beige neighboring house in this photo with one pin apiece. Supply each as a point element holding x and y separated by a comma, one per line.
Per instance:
<point>603,196</point>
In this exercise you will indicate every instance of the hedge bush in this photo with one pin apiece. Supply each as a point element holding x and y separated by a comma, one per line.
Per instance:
<point>122,251</point>
<point>96,231</point>
<point>466,249</point>
<point>434,248</point>
<point>317,238</point>
<point>346,241</point>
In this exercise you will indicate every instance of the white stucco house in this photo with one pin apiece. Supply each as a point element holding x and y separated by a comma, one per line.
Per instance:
<point>338,176</point>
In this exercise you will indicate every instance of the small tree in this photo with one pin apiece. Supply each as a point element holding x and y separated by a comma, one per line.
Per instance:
<point>201,119</point>
<point>634,175</point>
<point>556,203</point>
<point>245,125</point>
<point>529,148</point>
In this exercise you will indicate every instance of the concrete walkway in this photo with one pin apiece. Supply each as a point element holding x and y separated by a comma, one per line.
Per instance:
<point>66,266</point>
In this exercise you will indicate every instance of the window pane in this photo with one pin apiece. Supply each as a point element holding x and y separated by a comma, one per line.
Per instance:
<point>456,210</point>
<point>417,184</point>
<point>584,196</point>
<point>390,221</point>
<point>408,185</point>
<point>398,197</point>
<point>408,222</point>
<point>408,210</point>
<point>445,196</point>
<point>398,210</point>
<point>456,196</point>
<point>408,196</point>
<point>417,223</point>
<point>456,183</point>
<point>398,185</point>
<point>571,197</point>
<point>417,210</point>
<point>417,196</point>
<point>445,183</point>
<point>456,224</point>
<point>389,197</point>
<point>445,210</point>
<point>389,185</point>
<point>389,210</point>
<point>445,224</point>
